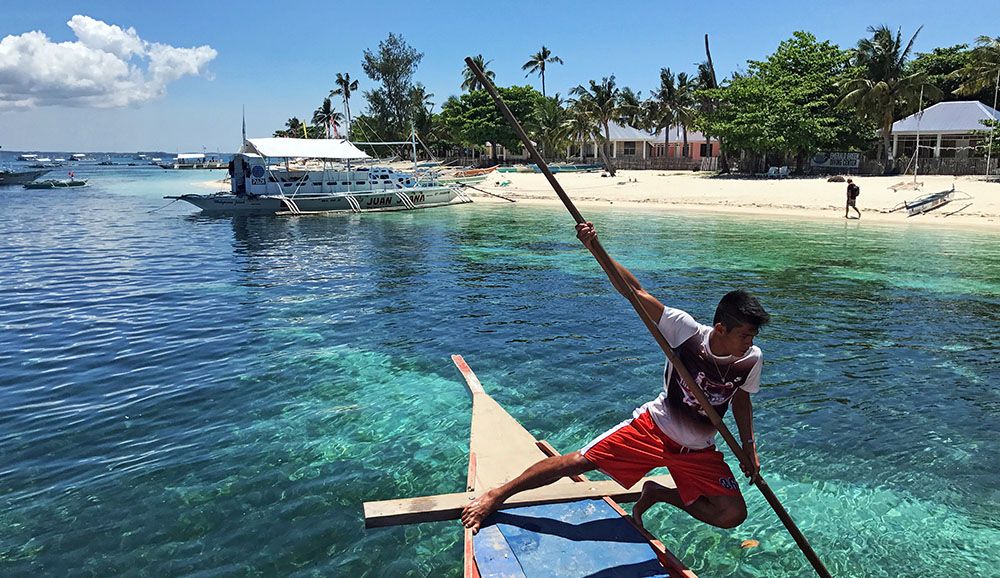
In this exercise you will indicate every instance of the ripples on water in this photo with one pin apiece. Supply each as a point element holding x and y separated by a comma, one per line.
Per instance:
<point>184,394</point>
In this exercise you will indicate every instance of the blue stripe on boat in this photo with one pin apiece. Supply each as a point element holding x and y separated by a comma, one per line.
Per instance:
<point>576,539</point>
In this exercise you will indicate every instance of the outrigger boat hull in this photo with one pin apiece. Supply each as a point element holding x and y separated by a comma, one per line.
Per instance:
<point>572,528</point>
<point>391,200</point>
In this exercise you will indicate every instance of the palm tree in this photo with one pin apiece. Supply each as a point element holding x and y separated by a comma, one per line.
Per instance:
<point>422,107</point>
<point>684,107</point>
<point>326,117</point>
<point>293,129</point>
<point>581,126</point>
<point>537,64</point>
<point>984,70</point>
<point>551,126</point>
<point>676,97</point>
<point>470,82</point>
<point>882,88</point>
<point>706,79</point>
<point>345,87</point>
<point>630,111</point>
<point>665,116</point>
<point>601,103</point>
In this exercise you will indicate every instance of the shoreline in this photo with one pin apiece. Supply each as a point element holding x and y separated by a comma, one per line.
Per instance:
<point>799,198</point>
<point>804,198</point>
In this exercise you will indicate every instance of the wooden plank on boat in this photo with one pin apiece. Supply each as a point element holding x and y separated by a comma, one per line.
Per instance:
<point>503,448</point>
<point>449,506</point>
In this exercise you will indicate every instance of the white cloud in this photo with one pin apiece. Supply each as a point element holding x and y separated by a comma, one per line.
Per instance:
<point>105,67</point>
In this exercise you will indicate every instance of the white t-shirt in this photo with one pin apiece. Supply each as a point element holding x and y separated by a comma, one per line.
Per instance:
<point>676,411</point>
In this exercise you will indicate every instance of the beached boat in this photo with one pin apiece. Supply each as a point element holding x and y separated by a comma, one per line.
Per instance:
<point>928,203</point>
<point>569,528</point>
<point>9,177</point>
<point>55,184</point>
<point>475,172</point>
<point>462,180</point>
<point>258,186</point>
<point>189,161</point>
<point>571,168</point>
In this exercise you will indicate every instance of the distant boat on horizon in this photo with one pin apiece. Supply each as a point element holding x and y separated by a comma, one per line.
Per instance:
<point>195,161</point>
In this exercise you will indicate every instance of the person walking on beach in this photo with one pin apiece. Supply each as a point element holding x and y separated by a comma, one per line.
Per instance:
<point>853,191</point>
<point>672,430</point>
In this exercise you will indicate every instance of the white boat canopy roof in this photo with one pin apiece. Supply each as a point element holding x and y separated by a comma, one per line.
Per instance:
<point>190,156</point>
<point>305,148</point>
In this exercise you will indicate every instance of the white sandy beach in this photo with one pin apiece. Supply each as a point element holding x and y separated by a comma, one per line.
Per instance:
<point>810,198</point>
<point>801,198</point>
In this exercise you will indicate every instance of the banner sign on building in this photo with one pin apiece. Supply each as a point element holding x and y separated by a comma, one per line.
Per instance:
<point>836,160</point>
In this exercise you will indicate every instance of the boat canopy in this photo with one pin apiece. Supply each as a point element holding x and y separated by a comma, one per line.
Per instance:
<point>305,148</point>
<point>190,156</point>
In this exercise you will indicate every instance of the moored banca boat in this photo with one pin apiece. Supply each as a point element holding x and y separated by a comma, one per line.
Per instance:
<point>56,184</point>
<point>259,187</point>
<point>9,177</point>
<point>573,527</point>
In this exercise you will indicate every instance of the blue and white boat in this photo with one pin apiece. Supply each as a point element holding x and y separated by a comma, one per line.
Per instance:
<point>260,186</point>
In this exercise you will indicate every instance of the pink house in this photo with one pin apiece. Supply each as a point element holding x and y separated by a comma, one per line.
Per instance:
<point>631,143</point>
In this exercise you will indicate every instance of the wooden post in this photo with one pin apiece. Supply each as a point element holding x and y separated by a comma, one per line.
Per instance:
<point>605,261</point>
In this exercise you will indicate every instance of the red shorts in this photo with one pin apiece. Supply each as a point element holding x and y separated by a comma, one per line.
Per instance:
<point>631,449</point>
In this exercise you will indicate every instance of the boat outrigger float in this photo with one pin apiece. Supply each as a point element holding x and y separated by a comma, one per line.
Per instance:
<point>928,203</point>
<point>573,527</point>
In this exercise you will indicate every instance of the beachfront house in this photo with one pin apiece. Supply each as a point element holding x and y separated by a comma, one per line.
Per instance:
<point>947,138</point>
<point>631,147</point>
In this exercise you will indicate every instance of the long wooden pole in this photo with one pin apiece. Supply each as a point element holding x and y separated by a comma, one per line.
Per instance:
<point>693,387</point>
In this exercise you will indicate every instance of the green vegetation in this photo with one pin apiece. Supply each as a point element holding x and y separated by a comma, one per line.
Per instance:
<point>470,81</point>
<point>537,62</point>
<point>390,106</point>
<point>787,104</point>
<point>472,120</point>
<point>809,95</point>
<point>883,88</point>
<point>345,88</point>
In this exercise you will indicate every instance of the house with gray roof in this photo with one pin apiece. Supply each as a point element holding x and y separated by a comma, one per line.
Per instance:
<point>628,142</point>
<point>946,130</point>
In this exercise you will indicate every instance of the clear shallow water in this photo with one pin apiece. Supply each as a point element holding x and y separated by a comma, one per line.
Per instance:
<point>188,395</point>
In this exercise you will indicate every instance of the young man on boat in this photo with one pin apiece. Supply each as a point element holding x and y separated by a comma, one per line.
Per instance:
<point>672,430</point>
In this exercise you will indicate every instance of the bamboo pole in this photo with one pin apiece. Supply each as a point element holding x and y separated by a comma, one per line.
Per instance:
<point>605,261</point>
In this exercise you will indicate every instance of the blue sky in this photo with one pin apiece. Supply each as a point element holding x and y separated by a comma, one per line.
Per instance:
<point>280,59</point>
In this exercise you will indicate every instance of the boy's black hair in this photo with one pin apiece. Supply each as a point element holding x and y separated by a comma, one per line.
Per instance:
<point>740,308</point>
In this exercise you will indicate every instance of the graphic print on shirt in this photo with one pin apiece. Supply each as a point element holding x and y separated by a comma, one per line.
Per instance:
<point>718,379</point>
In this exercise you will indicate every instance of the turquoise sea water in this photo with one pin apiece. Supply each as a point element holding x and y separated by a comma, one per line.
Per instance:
<point>184,395</point>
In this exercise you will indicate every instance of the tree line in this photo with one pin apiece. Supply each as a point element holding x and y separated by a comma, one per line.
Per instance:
<point>808,95</point>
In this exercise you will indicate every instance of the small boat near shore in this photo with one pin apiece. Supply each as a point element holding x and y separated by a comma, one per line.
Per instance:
<point>931,202</point>
<point>260,186</point>
<point>555,168</point>
<point>56,184</point>
<point>475,172</point>
<point>573,527</point>
<point>10,177</point>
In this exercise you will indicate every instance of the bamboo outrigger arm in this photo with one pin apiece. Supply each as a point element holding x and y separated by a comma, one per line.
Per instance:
<point>608,266</point>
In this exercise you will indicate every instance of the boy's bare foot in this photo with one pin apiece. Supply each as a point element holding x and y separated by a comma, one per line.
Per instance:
<point>644,502</point>
<point>479,509</point>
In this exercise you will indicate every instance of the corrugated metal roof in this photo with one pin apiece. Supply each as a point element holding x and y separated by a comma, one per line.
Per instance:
<point>947,117</point>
